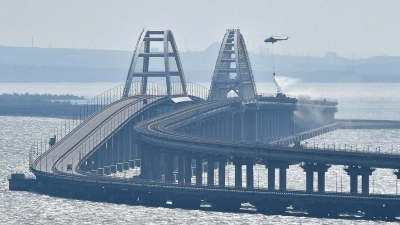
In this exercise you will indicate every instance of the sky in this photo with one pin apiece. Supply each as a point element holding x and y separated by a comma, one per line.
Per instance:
<point>363,28</point>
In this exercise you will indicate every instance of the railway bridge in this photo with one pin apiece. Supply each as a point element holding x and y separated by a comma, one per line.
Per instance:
<point>182,138</point>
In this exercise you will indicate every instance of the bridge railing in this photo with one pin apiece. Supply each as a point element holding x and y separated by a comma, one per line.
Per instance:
<point>160,89</point>
<point>344,147</point>
<point>43,144</point>
<point>197,90</point>
<point>118,121</point>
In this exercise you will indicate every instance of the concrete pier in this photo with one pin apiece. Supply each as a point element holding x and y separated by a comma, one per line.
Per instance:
<point>272,165</point>
<point>18,182</point>
<point>310,168</point>
<point>354,172</point>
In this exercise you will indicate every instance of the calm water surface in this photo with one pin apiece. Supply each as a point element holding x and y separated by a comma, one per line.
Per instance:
<point>362,101</point>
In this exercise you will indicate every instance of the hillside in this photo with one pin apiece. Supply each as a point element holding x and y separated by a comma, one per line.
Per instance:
<point>20,64</point>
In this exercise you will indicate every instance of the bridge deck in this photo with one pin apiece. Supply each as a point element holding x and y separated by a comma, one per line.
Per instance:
<point>160,131</point>
<point>205,191</point>
<point>74,146</point>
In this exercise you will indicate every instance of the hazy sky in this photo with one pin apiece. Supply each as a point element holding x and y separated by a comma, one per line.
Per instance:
<point>360,27</point>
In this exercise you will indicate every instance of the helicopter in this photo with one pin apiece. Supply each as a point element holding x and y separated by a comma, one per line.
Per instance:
<point>273,39</point>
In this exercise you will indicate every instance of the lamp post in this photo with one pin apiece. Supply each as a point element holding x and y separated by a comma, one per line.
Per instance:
<point>72,166</point>
<point>336,180</point>
<point>373,185</point>
<point>228,174</point>
<point>56,133</point>
<point>258,171</point>
<point>341,184</point>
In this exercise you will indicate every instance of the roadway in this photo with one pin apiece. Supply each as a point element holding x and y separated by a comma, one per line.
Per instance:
<point>85,137</point>
<point>161,131</point>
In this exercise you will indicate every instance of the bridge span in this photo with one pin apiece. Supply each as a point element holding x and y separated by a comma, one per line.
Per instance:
<point>162,144</point>
<point>180,142</point>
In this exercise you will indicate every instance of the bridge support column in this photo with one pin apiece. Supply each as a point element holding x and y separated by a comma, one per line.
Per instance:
<point>271,177</point>
<point>221,172</point>
<point>238,175</point>
<point>220,127</point>
<point>169,167</point>
<point>238,162</point>
<point>103,159</point>
<point>229,126</point>
<point>237,126</point>
<point>202,130</point>
<point>199,170</point>
<point>249,175</point>
<point>188,170</point>
<point>309,180</point>
<point>150,162</point>
<point>365,183</point>
<point>209,128</point>
<point>215,126</point>
<point>282,178</point>
<point>250,124</point>
<point>321,169</point>
<point>108,147</point>
<point>120,145</point>
<point>354,172</point>
<point>271,165</point>
<point>114,150</point>
<point>181,169</point>
<point>210,171</point>
<point>156,167</point>
<point>124,145</point>
<point>321,181</point>
<point>143,163</point>
<point>353,183</point>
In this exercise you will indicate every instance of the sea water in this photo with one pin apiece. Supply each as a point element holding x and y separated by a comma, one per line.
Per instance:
<point>356,101</point>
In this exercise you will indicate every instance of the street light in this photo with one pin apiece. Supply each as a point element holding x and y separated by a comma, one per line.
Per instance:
<point>373,185</point>
<point>341,184</point>
<point>336,180</point>
<point>72,166</point>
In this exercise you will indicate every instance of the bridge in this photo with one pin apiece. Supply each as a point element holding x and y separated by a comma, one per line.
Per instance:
<point>181,139</point>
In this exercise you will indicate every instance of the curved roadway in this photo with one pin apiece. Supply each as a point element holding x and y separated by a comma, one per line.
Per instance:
<point>65,155</point>
<point>161,131</point>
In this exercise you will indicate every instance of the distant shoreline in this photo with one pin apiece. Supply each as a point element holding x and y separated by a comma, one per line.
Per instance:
<point>43,105</point>
<point>51,65</point>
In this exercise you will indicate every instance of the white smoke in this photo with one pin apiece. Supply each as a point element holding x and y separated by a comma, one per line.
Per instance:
<point>285,82</point>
